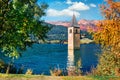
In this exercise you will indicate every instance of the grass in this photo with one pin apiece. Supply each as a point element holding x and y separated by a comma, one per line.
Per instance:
<point>43,77</point>
<point>105,77</point>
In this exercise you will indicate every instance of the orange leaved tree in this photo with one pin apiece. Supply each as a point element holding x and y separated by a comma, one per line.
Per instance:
<point>108,35</point>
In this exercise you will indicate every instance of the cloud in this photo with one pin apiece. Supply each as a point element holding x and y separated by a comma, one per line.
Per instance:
<point>92,5</point>
<point>79,6</point>
<point>69,2</point>
<point>74,7</point>
<point>64,12</point>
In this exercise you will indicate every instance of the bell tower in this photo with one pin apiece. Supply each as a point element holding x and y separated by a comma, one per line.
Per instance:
<point>74,34</point>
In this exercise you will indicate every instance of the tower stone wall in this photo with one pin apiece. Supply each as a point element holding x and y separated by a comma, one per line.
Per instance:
<point>74,35</point>
<point>73,38</point>
<point>77,38</point>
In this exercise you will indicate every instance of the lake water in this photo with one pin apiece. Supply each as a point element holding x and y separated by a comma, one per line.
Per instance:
<point>42,57</point>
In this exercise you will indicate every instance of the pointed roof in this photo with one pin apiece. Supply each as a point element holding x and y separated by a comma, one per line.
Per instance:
<point>74,22</point>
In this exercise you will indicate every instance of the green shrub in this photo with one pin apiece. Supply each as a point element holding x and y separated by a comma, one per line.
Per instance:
<point>109,64</point>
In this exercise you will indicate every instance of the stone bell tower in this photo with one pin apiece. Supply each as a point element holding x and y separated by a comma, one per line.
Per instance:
<point>74,34</point>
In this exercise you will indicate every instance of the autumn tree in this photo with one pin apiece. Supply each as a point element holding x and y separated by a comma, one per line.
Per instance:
<point>20,25</point>
<point>108,35</point>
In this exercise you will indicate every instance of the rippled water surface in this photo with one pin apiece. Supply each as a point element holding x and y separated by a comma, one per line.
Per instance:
<point>42,57</point>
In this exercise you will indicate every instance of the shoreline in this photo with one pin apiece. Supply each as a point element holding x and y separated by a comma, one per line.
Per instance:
<point>82,41</point>
<point>44,77</point>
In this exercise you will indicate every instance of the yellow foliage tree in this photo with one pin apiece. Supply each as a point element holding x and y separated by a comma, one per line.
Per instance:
<point>108,34</point>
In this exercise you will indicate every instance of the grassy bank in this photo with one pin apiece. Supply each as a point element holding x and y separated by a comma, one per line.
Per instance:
<point>43,77</point>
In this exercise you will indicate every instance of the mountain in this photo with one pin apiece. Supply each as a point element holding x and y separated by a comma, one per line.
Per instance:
<point>59,29</point>
<point>62,23</point>
<point>57,32</point>
<point>85,25</point>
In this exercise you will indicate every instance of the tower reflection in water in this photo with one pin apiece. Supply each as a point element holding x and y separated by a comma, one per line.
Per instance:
<point>73,58</point>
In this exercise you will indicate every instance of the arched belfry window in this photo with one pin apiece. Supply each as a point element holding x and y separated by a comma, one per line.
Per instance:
<point>76,31</point>
<point>70,31</point>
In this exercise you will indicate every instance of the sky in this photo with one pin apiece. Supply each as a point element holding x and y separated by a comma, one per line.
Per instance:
<point>63,10</point>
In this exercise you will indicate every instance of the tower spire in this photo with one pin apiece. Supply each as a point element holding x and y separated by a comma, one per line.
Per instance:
<point>74,21</point>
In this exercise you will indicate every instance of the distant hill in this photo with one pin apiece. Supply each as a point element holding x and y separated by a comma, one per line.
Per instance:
<point>59,32</point>
<point>85,25</point>
<point>59,29</point>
